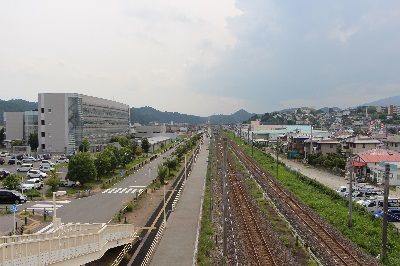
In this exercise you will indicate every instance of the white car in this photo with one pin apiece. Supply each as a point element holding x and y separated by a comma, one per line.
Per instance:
<point>4,154</point>
<point>62,160</point>
<point>29,160</point>
<point>33,173</point>
<point>47,163</point>
<point>46,168</point>
<point>34,183</point>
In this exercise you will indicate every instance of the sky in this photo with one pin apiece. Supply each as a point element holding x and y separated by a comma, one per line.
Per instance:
<point>203,57</point>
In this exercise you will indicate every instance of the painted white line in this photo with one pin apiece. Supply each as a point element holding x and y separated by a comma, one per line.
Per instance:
<point>44,229</point>
<point>128,190</point>
<point>133,191</point>
<point>123,190</point>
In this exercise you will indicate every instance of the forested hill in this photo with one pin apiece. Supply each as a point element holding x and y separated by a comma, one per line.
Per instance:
<point>146,115</point>
<point>15,105</point>
<point>142,115</point>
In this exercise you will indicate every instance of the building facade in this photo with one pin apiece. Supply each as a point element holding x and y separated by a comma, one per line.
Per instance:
<point>65,119</point>
<point>14,125</point>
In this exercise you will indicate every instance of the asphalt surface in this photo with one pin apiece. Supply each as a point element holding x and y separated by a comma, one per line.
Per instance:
<point>97,208</point>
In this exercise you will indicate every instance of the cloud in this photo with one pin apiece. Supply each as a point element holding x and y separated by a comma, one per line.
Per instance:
<point>342,33</point>
<point>203,57</point>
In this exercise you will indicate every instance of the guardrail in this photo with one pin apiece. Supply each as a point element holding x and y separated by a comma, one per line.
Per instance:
<point>86,242</point>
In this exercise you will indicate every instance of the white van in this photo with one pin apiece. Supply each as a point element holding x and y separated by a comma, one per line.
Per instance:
<point>25,167</point>
<point>376,205</point>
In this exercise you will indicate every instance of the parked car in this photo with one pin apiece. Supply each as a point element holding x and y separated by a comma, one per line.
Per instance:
<point>34,183</point>
<point>62,160</point>
<point>11,196</point>
<point>34,173</point>
<point>17,156</point>
<point>29,160</point>
<point>46,168</point>
<point>393,215</point>
<point>4,154</point>
<point>14,161</point>
<point>2,161</point>
<point>4,174</point>
<point>25,167</point>
<point>46,156</point>
<point>47,162</point>
<point>69,183</point>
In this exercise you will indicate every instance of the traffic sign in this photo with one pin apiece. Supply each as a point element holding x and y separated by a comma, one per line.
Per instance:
<point>14,208</point>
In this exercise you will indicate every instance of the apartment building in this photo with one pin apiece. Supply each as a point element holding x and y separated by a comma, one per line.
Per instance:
<point>65,119</point>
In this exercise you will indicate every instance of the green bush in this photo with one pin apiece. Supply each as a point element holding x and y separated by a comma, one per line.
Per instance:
<point>32,193</point>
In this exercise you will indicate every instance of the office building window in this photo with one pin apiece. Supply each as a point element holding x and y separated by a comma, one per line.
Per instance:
<point>42,110</point>
<point>43,134</point>
<point>42,123</point>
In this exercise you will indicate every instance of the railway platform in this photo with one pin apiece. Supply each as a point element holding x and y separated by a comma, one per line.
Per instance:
<point>179,241</point>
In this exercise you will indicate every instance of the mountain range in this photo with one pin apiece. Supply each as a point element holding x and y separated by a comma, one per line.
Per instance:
<point>146,115</point>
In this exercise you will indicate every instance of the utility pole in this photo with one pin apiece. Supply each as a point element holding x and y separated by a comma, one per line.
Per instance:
<point>252,144</point>
<point>385,210</point>
<point>211,184</point>
<point>185,170</point>
<point>351,192</point>
<point>277,161</point>
<point>224,198</point>
<point>248,135</point>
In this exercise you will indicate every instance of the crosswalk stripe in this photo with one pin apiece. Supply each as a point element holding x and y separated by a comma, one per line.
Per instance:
<point>122,191</point>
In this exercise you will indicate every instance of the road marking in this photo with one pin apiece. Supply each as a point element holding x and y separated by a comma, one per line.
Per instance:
<point>45,229</point>
<point>138,186</point>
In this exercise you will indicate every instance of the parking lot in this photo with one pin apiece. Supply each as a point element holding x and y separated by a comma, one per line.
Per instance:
<point>62,171</point>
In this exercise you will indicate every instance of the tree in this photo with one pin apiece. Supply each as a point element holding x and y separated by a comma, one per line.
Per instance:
<point>171,164</point>
<point>1,135</point>
<point>18,142</point>
<point>84,146</point>
<point>81,168</point>
<point>54,181</point>
<point>33,141</point>
<point>162,173</point>
<point>105,162</point>
<point>371,109</point>
<point>11,181</point>
<point>145,145</point>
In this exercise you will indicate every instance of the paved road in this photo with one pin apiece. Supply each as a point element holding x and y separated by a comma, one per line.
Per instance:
<point>101,207</point>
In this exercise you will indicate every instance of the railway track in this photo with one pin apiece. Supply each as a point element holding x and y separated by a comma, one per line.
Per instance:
<point>335,251</point>
<point>261,250</point>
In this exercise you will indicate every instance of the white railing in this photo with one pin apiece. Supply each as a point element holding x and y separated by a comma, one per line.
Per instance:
<point>67,242</point>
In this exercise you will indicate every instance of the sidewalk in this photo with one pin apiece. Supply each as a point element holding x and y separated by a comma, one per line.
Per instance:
<point>179,241</point>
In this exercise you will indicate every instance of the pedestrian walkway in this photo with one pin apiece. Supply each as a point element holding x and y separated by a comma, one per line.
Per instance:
<point>179,241</point>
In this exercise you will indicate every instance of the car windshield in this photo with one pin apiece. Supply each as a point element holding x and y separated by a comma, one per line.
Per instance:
<point>30,182</point>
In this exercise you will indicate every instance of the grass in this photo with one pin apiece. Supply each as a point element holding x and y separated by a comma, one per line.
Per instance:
<point>366,231</point>
<point>206,240</point>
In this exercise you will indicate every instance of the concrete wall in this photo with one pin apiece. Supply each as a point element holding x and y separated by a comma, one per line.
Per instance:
<point>14,125</point>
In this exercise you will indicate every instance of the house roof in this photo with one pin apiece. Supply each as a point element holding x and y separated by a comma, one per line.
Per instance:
<point>362,140</point>
<point>378,155</point>
<point>393,139</point>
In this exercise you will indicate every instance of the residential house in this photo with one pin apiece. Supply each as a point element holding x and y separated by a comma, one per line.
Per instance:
<point>392,143</point>
<point>360,144</point>
<point>364,161</point>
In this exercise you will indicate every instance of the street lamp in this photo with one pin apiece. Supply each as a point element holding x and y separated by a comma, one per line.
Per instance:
<point>56,193</point>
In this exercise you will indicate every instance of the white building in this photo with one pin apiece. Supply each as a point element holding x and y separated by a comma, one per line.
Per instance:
<point>65,119</point>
